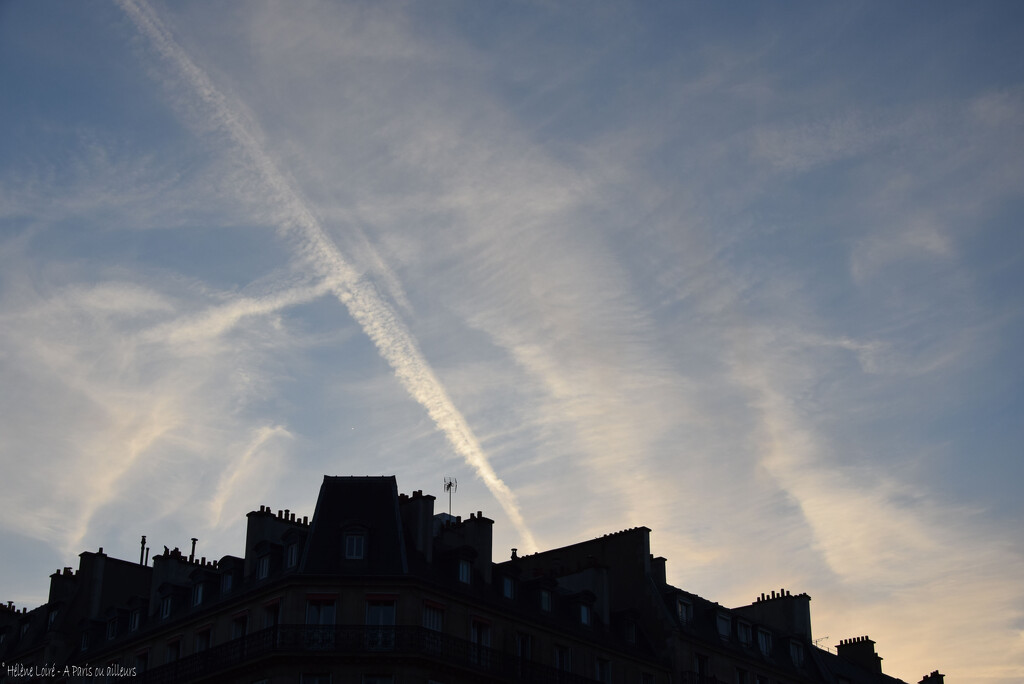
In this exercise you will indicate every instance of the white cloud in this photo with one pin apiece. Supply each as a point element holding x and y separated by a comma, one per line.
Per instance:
<point>314,246</point>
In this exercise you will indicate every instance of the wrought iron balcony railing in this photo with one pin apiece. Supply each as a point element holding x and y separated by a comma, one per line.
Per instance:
<point>362,641</point>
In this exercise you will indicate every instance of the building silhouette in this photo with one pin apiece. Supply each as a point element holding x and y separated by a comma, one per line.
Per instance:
<point>378,588</point>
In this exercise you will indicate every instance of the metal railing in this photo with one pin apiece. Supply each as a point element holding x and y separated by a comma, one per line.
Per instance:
<point>342,641</point>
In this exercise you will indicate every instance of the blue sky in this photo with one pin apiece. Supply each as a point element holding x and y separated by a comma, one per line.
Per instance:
<point>749,275</point>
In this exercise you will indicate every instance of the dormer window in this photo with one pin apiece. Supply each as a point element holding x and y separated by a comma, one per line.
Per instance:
<point>465,571</point>
<point>746,634</point>
<point>796,653</point>
<point>225,583</point>
<point>292,556</point>
<point>263,567</point>
<point>134,619</point>
<point>165,607</point>
<point>764,641</point>
<point>685,611</point>
<point>51,618</point>
<point>545,600</point>
<point>724,626</point>
<point>355,546</point>
<point>584,614</point>
<point>197,594</point>
<point>507,587</point>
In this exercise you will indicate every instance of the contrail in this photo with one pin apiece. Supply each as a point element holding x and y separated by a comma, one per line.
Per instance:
<point>377,318</point>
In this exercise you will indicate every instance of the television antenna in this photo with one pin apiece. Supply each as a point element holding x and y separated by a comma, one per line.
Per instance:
<point>450,485</point>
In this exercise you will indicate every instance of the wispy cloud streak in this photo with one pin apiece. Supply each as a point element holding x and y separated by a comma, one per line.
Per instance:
<point>299,223</point>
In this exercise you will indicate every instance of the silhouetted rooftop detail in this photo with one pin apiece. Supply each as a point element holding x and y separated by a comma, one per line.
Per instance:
<point>369,555</point>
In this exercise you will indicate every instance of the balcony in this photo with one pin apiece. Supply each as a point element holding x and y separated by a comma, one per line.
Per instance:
<point>332,644</point>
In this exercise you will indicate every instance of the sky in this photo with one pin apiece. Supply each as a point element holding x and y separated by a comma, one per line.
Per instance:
<point>748,274</point>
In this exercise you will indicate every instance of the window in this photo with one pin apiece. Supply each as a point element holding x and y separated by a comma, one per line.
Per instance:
<point>85,638</point>
<point>524,645</point>
<point>506,587</point>
<point>316,679</point>
<point>724,626</point>
<point>270,615</point>
<point>202,640</point>
<point>380,617</point>
<point>465,571</point>
<point>355,546</point>
<point>197,594</point>
<point>796,653</point>
<point>631,632</point>
<point>134,619</point>
<point>173,651</point>
<point>225,583</point>
<point>563,658</point>
<point>761,679</point>
<point>684,610</point>
<point>745,633</point>
<point>764,641</point>
<point>24,630</point>
<point>741,676</point>
<point>292,556</point>
<point>603,671</point>
<point>263,567</point>
<point>480,642</point>
<point>378,679</point>
<point>433,618</point>
<point>51,618</point>
<point>141,661</point>
<point>646,678</point>
<point>700,664</point>
<point>239,626</point>
<point>165,607</point>
<point>584,614</point>
<point>111,628</point>
<point>545,600</point>
<point>320,612</point>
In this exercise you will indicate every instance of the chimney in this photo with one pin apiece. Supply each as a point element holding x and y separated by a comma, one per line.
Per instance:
<point>658,570</point>
<point>860,651</point>
<point>192,556</point>
<point>934,678</point>
<point>142,549</point>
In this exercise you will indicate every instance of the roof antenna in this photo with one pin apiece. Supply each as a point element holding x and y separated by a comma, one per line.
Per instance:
<point>450,485</point>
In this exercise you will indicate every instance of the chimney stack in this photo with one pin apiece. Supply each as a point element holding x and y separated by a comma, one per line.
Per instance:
<point>861,651</point>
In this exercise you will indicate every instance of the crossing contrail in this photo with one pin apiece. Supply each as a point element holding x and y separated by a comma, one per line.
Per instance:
<point>298,222</point>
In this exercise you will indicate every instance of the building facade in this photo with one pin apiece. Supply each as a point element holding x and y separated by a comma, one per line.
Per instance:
<point>376,588</point>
